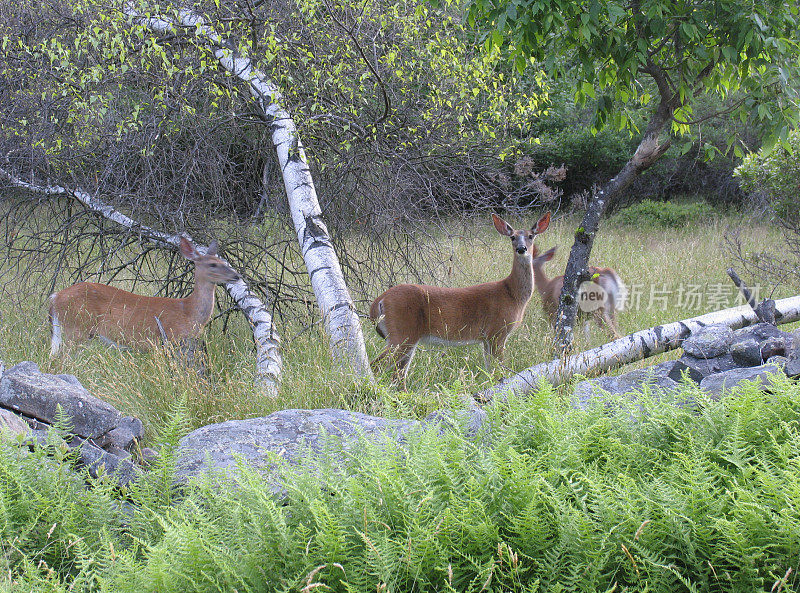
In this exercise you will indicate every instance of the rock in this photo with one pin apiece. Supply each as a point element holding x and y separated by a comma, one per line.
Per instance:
<point>37,438</point>
<point>709,342</point>
<point>148,456</point>
<point>680,368</point>
<point>121,453</point>
<point>469,421</point>
<point>777,360</point>
<point>71,379</point>
<point>656,377</point>
<point>11,424</point>
<point>98,462</point>
<point>792,368</point>
<point>708,366</point>
<point>288,433</point>
<point>719,383</point>
<point>759,332</point>
<point>793,345</point>
<point>775,346</point>
<point>25,389</point>
<point>747,352</point>
<point>129,431</point>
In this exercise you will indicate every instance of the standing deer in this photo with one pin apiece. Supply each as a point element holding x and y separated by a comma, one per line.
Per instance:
<point>407,314</point>
<point>86,310</point>
<point>606,278</point>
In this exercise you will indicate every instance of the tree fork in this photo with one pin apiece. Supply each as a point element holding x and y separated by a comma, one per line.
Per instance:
<point>576,272</point>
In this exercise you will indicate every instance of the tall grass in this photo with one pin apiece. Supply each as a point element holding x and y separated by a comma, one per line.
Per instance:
<point>654,262</point>
<point>650,498</point>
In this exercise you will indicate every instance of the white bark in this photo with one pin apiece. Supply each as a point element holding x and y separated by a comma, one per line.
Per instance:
<point>338,312</point>
<point>636,346</point>
<point>268,356</point>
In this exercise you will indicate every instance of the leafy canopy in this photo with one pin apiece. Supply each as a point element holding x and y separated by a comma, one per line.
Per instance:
<point>688,48</point>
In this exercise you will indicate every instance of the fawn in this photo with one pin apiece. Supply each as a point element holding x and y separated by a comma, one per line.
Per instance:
<point>550,290</point>
<point>86,310</point>
<point>408,314</point>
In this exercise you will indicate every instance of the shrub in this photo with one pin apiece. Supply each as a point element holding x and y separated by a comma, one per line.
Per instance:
<point>775,177</point>
<point>671,215</point>
<point>653,498</point>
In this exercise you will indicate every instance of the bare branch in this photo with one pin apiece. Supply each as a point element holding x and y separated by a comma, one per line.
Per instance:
<point>268,359</point>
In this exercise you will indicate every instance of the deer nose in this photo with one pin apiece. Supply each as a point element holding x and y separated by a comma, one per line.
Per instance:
<point>521,250</point>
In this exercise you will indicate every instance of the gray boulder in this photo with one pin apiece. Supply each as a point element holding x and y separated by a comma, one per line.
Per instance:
<point>129,431</point>
<point>707,366</point>
<point>709,342</point>
<point>747,352</point>
<point>657,378</point>
<point>774,346</point>
<point>100,462</point>
<point>792,368</point>
<point>469,421</point>
<point>759,332</point>
<point>218,448</point>
<point>793,345</point>
<point>25,389</point>
<point>11,424</point>
<point>717,384</point>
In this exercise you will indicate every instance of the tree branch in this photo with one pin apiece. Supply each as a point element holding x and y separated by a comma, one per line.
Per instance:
<point>338,311</point>
<point>268,357</point>
<point>639,345</point>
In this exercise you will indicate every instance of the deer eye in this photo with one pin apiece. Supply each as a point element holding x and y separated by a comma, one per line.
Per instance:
<point>212,265</point>
<point>530,236</point>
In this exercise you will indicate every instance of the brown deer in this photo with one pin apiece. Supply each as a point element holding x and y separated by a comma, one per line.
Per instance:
<point>86,310</point>
<point>613,292</point>
<point>408,314</point>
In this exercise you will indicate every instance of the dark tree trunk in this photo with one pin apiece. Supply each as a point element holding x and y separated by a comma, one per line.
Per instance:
<point>576,272</point>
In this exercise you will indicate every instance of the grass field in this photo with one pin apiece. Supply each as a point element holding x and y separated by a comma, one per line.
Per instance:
<point>655,498</point>
<point>671,274</point>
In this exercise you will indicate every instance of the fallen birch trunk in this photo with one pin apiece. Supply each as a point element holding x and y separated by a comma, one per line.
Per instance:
<point>636,346</point>
<point>338,312</point>
<point>268,357</point>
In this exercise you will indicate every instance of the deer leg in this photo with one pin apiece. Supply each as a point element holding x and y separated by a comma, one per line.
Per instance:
<point>55,335</point>
<point>606,321</point>
<point>611,319</point>
<point>493,348</point>
<point>402,359</point>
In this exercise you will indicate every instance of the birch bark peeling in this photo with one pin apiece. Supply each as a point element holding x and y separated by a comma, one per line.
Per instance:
<point>333,297</point>
<point>268,357</point>
<point>636,346</point>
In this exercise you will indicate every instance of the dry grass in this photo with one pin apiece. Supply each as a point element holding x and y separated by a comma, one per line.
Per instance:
<point>151,384</point>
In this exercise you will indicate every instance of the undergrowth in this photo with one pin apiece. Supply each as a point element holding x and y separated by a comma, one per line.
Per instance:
<point>622,497</point>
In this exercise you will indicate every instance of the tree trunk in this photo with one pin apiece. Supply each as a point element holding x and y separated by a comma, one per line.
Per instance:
<point>637,346</point>
<point>576,272</point>
<point>338,312</point>
<point>268,357</point>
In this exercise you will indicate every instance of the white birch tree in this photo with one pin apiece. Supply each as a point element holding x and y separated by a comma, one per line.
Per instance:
<point>338,312</point>
<point>268,357</point>
<point>639,345</point>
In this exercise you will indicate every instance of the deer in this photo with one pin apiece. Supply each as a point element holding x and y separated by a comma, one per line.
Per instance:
<point>120,318</point>
<point>614,291</point>
<point>408,314</point>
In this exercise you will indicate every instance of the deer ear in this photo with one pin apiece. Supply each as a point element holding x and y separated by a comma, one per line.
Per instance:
<point>188,249</point>
<point>213,249</point>
<point>543,223</point>
<point>548,255</point>
<point>502,226</point>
